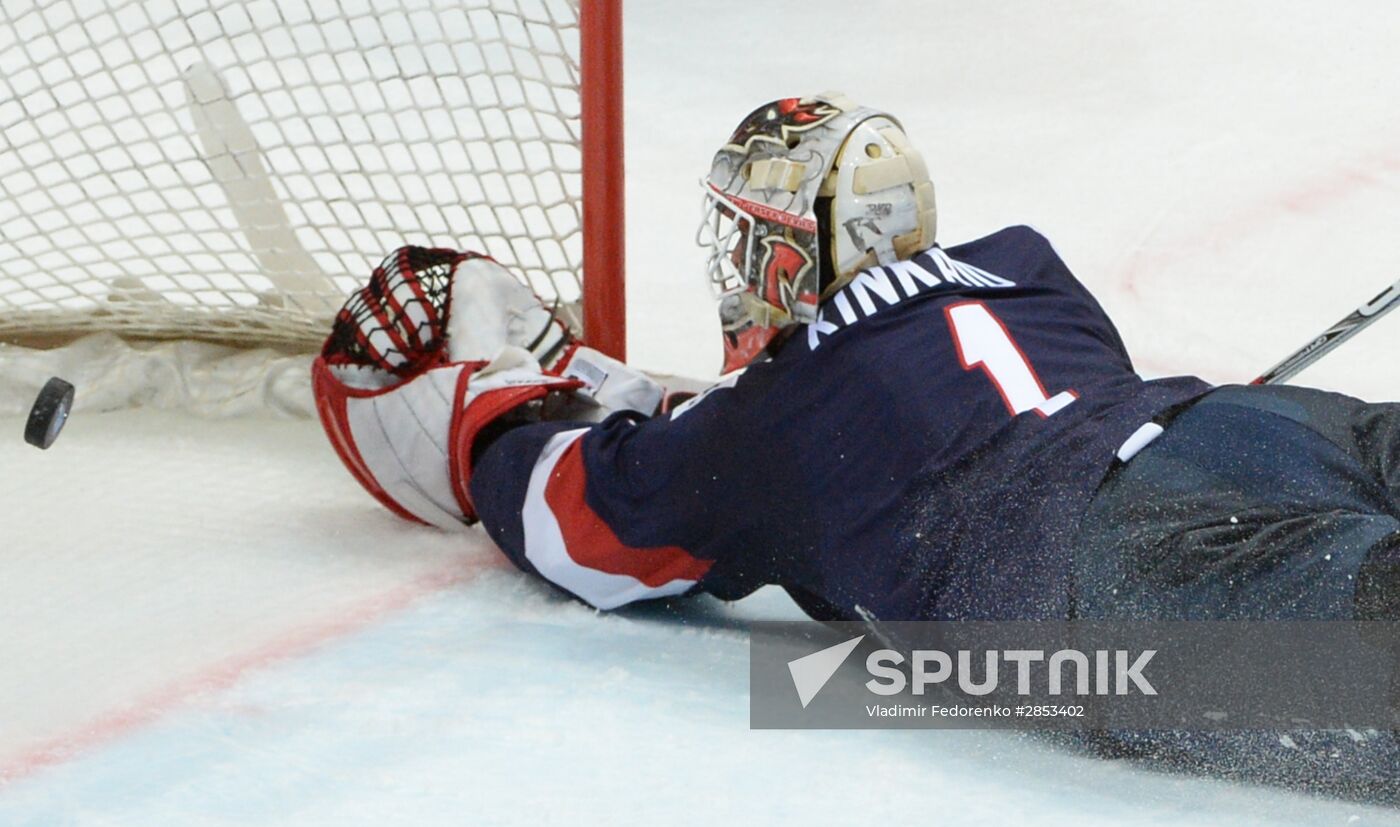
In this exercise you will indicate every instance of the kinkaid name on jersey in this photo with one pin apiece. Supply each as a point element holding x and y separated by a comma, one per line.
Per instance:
<point>887,285</point>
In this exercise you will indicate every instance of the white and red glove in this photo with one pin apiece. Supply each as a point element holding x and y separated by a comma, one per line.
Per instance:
<point>406,381</point>
<point>436,347</point>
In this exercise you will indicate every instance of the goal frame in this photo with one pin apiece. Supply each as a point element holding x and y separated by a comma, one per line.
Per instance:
<point>94,300</point>
<point>604,203</point>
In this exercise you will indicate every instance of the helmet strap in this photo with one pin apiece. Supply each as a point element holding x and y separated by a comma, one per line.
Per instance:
<point>826,266</point>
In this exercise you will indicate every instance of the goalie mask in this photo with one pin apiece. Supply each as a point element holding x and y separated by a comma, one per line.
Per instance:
<point>806,193</point>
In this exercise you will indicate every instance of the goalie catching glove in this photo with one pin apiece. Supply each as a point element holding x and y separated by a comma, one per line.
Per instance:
<point>440,353</point>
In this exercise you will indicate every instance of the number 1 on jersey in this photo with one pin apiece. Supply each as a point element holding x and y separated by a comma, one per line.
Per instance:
<point>984,342</point>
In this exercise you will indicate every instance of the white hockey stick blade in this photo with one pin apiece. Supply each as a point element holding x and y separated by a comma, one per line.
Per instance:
<point>236,162</point>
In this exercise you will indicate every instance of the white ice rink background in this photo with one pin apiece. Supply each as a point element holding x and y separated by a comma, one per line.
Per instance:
<point>206,621</point>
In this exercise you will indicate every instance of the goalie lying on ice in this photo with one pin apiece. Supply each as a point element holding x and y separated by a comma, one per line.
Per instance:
<point>925,433</point>
<point>918,432</point>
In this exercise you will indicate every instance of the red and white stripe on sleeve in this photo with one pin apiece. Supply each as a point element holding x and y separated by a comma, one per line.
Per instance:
<point>570,545</point>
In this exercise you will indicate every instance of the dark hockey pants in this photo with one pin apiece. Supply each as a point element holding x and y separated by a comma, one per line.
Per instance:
<point>1256,503</point>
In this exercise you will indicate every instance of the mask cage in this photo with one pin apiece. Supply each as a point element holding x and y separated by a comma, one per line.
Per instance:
<point>726,234</point>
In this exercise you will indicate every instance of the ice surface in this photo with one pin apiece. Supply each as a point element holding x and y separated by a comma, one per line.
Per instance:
<point>1223,176</point>
<point>207,622</point>
<point>210,623</point>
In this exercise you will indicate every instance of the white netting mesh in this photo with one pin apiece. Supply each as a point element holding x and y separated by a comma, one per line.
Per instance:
<point>229,170</point>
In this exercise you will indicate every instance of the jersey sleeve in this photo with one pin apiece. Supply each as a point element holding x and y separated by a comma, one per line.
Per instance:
<point>613,512</point>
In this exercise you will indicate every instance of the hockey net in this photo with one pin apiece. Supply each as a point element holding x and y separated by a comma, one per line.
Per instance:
<point>229,171</point>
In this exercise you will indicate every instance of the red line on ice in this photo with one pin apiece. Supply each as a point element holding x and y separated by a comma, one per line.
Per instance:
<point>297,642</point>
<point>1303,197</point>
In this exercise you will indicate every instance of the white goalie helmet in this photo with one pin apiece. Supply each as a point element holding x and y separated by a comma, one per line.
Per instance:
<point>806,193</point>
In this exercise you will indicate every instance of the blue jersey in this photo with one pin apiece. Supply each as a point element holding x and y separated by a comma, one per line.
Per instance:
<point>924,450</point>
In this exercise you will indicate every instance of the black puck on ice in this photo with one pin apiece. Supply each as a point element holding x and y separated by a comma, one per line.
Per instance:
<point>49,413</point>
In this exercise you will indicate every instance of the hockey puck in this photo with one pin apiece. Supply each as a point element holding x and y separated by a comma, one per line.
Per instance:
<point>49,413</point>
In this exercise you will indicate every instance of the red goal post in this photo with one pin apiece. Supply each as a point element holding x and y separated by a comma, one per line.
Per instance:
<point>604,202</point>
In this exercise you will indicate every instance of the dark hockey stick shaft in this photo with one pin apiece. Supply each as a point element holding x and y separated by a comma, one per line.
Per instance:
<point>1352,324</point>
